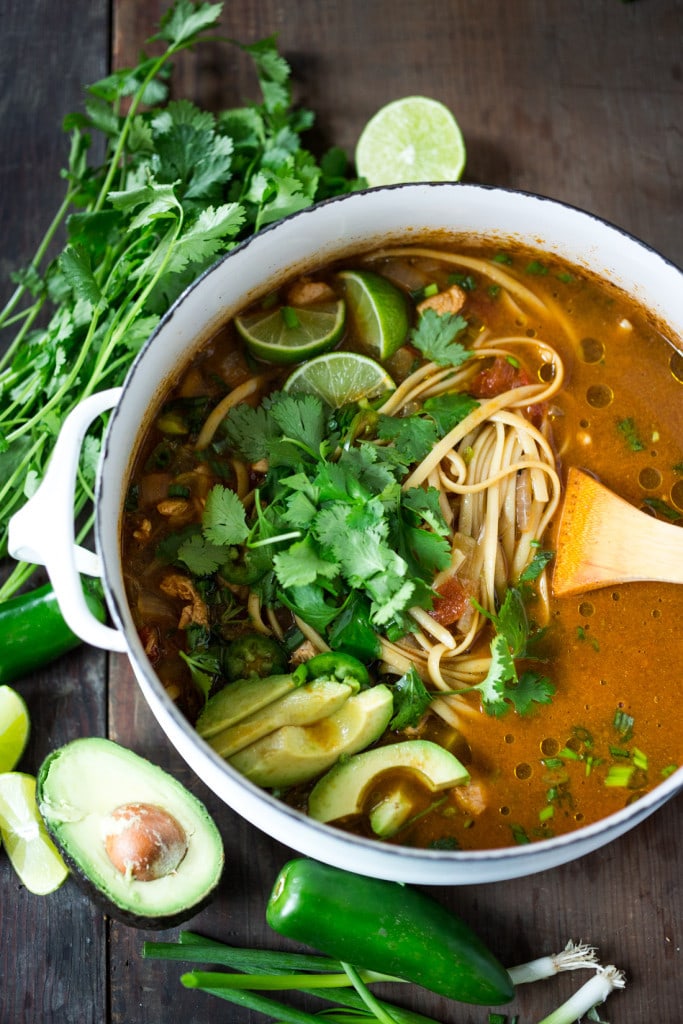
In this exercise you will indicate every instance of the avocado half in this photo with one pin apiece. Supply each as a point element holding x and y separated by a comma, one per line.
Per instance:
<point>143,847</point>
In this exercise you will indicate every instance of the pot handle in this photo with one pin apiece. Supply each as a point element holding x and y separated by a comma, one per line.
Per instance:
<point>42,531</point>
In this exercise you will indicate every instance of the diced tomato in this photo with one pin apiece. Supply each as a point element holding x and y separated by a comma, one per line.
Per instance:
<point>452,602</point>
<point>502,376</point>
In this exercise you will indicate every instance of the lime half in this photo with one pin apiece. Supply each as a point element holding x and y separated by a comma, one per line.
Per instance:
<point>411,139</point>
<point>290,334</point>
<point>14,728</point>
<point>33,855</point>
<point>378,310</point>
<point>339,378</point>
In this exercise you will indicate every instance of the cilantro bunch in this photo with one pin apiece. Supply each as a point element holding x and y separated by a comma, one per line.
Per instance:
<point>176,188</point>
<point>331,528</point>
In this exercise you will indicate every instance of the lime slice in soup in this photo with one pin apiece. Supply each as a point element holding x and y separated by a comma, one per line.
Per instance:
<point>32,853</point>
<point>378,310</point>
<point>14,728</point>
<point>411,139</point>
<point>339,378</point>
<point>290,334</point>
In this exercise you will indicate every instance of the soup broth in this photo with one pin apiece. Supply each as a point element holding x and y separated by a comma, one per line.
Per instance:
<point>413,529</point>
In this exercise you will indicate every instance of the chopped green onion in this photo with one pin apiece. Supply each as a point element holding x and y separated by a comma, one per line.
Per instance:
<point>289,316</point>
<point>569,755</point>
<point>619,775</point>
<point>639,759</point>
<point>519,835</point>
<point>623,723</point>
<point>669,770</point>
<point>178,491</point>
<point>546,813</point>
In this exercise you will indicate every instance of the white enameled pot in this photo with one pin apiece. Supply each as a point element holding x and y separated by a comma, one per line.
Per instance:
<point>43,530</point>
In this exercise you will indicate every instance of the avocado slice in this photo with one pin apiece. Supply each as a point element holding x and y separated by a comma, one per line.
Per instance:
<point>294,754</point>
<point>303,706</point>
<point>143,847</point>
<point>340,792</point>
<point>242,698</point>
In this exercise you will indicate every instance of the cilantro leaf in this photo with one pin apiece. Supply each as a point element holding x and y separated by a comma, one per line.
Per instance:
<point>249,431</point>
<point>413,436</point>
<point>200,556</point>
<point>224,519</point>
<point>511,621</point>
<point>502,671</point>
<point>531,689</point>
<point>302,564</point>
<point>435,337</point>
<point>425,504</point>
<point>308,602</point>
<point>449,409</point>
<point>301,418</point>
<point>185,20</point>
<point>536,566</point>
<point>411,700</point>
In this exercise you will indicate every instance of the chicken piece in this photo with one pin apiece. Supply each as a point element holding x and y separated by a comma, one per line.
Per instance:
<point>305,292</point>
<point>178,507</point>
<point>195,613</point>
<point>304,652</point>
<point>449,301</point>
<point>143,532</point>
<point>471,798</point>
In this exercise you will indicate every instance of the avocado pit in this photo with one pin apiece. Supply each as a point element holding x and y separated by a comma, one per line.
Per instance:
<point>144,841</point>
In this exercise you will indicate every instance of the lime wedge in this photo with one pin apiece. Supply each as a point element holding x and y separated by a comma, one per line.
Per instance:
<point>32,853</point>
<point>14,728</point>
<point>290,334</point>
<point>339,378</point>
<point>378,310</point>
<point>411,139</point>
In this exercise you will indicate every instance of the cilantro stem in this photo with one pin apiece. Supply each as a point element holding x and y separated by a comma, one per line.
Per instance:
<point>33,264</point>
<point>358,979</point>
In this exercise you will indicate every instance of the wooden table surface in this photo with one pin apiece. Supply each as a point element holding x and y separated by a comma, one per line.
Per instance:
<point>581,101</point>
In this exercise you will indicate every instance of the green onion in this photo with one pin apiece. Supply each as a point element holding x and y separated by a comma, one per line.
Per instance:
<point>639,759</point>
<point>594,992</point>
<point>290,318</point>
<point>619,775</point>
<point>623,723</point>
<point>573,957</point>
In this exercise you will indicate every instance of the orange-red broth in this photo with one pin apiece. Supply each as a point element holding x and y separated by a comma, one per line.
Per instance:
<point>617,649</point>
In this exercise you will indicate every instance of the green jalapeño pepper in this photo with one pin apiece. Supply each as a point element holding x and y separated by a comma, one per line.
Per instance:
<point>343,668</point>
<point>253,654</point>
<point>387,927</point>
<point>33,631</point>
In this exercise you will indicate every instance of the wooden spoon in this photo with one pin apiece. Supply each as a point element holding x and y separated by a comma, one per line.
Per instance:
<point>602,541</point>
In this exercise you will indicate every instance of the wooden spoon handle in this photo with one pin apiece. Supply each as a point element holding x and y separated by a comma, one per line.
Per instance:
<point>603,541</point>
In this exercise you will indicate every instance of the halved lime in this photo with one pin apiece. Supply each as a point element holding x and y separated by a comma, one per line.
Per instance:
<point>290,334</point>
<point>14,728</point>
<point>378,310</point>
<point>33,855</point>
<point>339,378</point>
<point>411,139</point>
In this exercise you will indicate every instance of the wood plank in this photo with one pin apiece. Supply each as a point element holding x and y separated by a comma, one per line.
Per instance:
<point>53,964</point>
